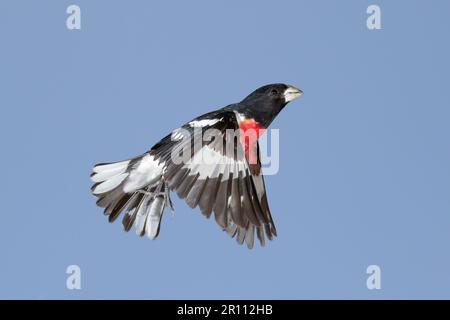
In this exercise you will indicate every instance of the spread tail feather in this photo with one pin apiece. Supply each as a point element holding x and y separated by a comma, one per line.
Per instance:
<point>143,206</point>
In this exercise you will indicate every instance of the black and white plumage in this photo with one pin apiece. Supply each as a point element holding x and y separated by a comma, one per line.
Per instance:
<point>220,175</point>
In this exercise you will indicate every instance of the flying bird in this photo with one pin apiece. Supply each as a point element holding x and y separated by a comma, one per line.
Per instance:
<point>220,174</point>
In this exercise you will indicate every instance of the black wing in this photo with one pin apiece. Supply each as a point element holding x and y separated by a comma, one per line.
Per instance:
<point>222,181</point>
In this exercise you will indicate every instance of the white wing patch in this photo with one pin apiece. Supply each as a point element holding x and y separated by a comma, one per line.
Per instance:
<point>204,122</point>
<point>208,162</point>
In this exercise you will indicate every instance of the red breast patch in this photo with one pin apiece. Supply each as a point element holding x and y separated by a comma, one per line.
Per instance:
<point>250,131</point>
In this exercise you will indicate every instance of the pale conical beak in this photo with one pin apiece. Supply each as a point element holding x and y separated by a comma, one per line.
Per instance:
<point>292,93</point>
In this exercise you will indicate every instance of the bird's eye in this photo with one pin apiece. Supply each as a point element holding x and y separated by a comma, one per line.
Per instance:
<point>274,92</point>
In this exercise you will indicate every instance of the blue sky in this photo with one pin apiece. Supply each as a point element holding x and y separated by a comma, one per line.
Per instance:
<point>364,158</point>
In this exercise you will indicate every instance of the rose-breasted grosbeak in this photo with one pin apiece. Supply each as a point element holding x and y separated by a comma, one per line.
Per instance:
<point>230,184</point>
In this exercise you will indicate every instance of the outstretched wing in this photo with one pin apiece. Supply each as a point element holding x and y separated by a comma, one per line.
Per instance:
<point>206,165</point>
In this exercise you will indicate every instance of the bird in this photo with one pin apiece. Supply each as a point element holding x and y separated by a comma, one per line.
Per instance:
<point>221,174</point>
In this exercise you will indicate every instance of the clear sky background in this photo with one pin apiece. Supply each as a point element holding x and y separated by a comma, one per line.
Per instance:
<point>365,153</point>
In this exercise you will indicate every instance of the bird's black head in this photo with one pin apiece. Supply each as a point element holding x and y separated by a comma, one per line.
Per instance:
<point>266,102</point>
